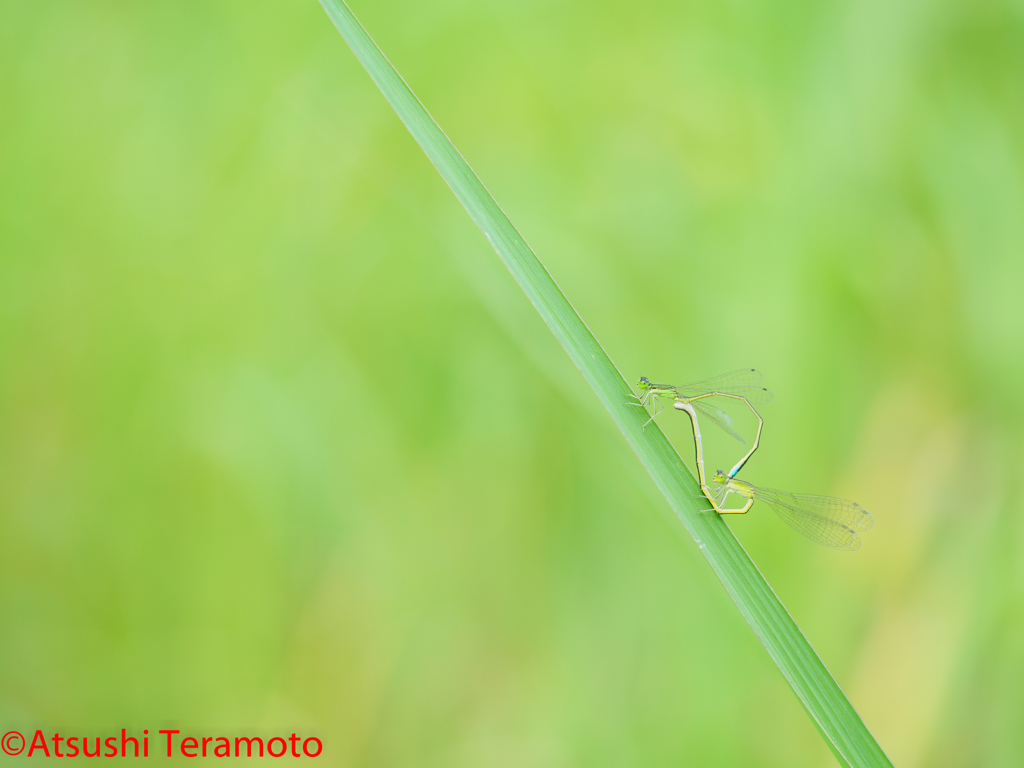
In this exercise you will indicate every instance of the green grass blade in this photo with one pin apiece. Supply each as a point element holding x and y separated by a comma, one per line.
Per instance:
<point>820,695</point>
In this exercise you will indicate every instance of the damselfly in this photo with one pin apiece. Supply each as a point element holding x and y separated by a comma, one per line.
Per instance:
<point>743,385</point>
<point>829,521</point>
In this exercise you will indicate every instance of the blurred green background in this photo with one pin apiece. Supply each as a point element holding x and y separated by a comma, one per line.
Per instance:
<point>283,447</point>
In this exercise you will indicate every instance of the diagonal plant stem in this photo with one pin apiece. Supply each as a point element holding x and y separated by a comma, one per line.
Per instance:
<point>832,713</point>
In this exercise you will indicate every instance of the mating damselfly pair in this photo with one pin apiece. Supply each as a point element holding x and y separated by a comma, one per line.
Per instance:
<point>826,520</point>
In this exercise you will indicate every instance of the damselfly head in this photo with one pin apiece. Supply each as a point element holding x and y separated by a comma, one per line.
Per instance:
<point>720,477</point>
<point>643,384</point>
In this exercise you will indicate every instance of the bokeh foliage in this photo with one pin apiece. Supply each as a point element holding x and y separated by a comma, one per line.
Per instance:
<point>281,446</point>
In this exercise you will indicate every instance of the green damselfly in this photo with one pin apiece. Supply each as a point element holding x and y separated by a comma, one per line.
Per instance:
<point>743,385</point>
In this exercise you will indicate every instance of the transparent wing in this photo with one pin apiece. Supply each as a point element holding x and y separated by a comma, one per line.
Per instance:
<point>843,511</point>
<point>721,419</point>
<point>829,521</point>
<point>745,382</point>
